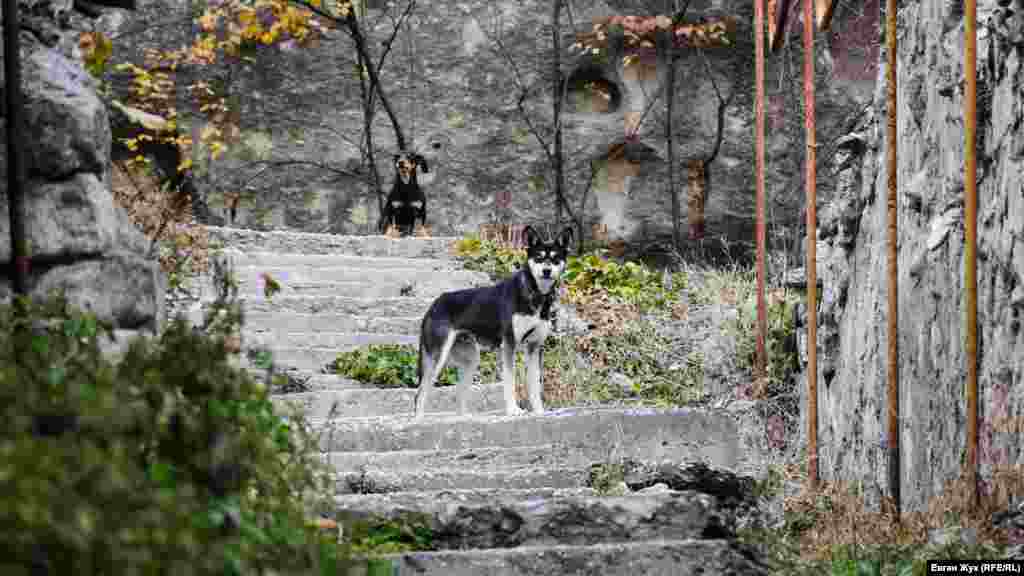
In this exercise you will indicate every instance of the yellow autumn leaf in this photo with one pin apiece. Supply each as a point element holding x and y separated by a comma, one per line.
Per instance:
<point>247,17</point>
<point>209,131</point>
<point>208,21</point>
<point>185,165</point>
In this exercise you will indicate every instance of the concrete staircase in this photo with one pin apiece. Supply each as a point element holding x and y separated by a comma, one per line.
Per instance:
<point>503,495</point>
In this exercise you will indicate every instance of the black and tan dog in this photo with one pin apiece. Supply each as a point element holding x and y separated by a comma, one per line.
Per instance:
<point>406,203</point>
<point>515,313</point>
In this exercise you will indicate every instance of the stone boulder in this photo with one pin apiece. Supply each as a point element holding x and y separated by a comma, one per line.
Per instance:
<point>79,240</point>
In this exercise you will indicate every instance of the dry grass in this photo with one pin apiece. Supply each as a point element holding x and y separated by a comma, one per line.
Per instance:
<point>164,217</point>
<point>835,520</point>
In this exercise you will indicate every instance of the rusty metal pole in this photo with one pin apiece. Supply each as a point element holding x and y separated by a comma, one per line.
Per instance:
<point>892,264</point>
<point>15,160</point>
<point>971,238</point>
<point>762,319</point>
<point>812,260</point>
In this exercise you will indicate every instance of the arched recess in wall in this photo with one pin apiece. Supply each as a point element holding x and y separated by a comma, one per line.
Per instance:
<point>614,186</point>
<point>589,91</point>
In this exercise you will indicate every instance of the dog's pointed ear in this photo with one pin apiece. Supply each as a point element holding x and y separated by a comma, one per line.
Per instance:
<point>531,235</point>
<point>395,159</point>
<point>565,238</point>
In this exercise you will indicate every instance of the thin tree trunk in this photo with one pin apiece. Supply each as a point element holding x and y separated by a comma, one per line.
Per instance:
<point>670,90</point>
<point>364,56</point>
<point>366,94</point>
<point>557,91</point>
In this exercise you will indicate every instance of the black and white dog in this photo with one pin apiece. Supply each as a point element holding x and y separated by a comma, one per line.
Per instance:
<point>406,203</point>
<point>516,312</point>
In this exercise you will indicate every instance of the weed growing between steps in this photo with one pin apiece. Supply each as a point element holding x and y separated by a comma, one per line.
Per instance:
<point>402,533</point>
<point>608,478</point>
<point>166,460</point>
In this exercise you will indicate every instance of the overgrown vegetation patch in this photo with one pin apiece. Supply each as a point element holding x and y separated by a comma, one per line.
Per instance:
<point>167,460</point>
<point>834,530</point>
<point>394,366</point>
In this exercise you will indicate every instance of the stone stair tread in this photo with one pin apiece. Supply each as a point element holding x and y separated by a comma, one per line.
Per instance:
<point>371,400</point>
<point>315,358</point>
<point>709,434</point>
<point>650,558</point>
<point>260,323</point>
<point>377,480</point>
<point>334,304</point>
<point>571,454</point>
<point>506,518</point>
<point>312,382</point>
<point>312,243</point>
<point>263,258</point>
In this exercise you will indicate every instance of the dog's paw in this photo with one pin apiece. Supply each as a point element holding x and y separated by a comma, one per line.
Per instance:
<point>514,411</point>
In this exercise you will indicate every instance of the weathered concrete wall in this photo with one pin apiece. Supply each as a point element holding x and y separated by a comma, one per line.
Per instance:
<point>456,96</point>
<point>852,340</point>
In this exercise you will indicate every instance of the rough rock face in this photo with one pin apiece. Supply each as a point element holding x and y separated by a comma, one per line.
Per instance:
<point>79,239</point>
<point>457,102</point>
<point>852,266</point>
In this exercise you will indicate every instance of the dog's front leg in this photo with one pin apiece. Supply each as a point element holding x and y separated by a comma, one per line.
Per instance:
<point>508,370</point>
<point>533,377</point>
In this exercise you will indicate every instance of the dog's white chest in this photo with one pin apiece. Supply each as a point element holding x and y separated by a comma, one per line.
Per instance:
<point>529,328</point>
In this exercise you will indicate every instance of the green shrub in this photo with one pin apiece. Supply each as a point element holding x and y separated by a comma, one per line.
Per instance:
<point>630,282</point>
<point>394,366</point>
<point>781,361</point>
<point>166,461</point>
<point>496,259</point>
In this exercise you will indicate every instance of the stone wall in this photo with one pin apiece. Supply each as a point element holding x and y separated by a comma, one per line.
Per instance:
<point>852,263</point>
<point>79,240</point>
<point>455,94</point>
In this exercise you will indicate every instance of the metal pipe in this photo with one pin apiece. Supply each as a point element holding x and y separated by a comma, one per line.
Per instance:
<point>812,260</point>
<point>762,319</point>
<point>892,260</point>
<point>971,238</point>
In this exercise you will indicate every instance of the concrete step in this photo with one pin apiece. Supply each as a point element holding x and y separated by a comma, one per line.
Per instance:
<point>323,340</point>
<point>308,243</point>
<point>308,381</point>
<point>654,433</point>
<point>314,358</point>
<point>566,464</point>
<point>392,307</point>
<point>296,322</point>
<point>569,454</point>
<point>367,288</point>
<point>390,401</point>
<point>413,280</point>
<point>371,480</point>
<point>304,261</point>
<point>463,519</point>
<point>647,558</point>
